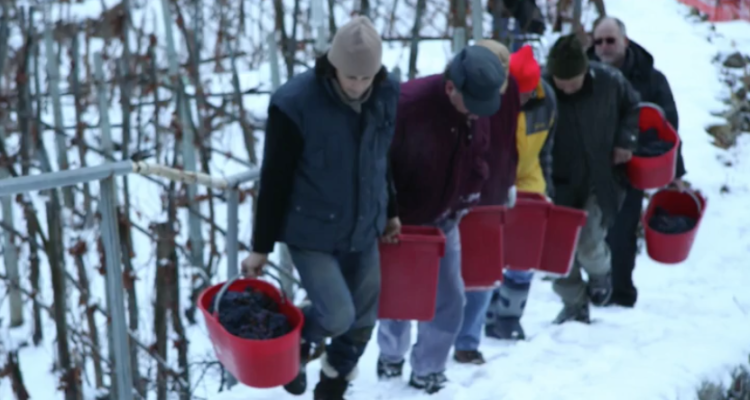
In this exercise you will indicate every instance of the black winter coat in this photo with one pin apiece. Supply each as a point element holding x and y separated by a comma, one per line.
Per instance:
<point>591,123</point>
<point>652,85</point>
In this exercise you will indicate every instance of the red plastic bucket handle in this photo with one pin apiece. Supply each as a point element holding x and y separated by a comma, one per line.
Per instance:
<point>229,283</point>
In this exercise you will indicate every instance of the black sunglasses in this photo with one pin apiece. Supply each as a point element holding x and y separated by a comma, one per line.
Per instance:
<point>600,41</point>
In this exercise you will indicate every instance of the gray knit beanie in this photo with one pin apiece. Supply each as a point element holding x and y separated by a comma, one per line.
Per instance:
<point>357,49</point>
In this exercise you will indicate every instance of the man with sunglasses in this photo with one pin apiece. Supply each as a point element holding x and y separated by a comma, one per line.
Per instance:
<point>612,46</point>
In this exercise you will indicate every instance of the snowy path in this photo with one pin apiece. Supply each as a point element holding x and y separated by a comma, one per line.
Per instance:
<point>692,321</point>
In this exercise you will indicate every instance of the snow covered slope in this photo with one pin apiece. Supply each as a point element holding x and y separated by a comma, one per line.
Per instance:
<point>692,321</point>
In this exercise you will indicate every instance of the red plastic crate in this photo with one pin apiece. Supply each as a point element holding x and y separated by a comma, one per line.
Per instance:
<point>409,274</point>
<point>525,227</point>
<point>482,259</point>
<point>564,226</point>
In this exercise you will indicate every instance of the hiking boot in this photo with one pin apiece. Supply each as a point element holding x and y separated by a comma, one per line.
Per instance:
<point>469,357</point>
<point>298,386</point>
<point>623,296</point>
<point>600,289</point>
<point>330,388</point>
<point>571,313</point>
<point>430,383</point>
<point>388,370</point>
<point>505,328</point>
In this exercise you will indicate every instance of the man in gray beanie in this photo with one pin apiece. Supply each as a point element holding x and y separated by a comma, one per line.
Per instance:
<point>596,132</point>
<point>326,192</point>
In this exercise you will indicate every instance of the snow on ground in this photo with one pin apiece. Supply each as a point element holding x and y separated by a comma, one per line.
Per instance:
<point>692,320</point>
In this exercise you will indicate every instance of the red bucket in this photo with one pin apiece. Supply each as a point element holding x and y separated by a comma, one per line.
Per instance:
<point>256,363</point>
<point>673,248</point>
<point>564,226</point>
<point>409,274</point>
<point>654,172</point>
<point>482,247</point>
<point>525,225</point>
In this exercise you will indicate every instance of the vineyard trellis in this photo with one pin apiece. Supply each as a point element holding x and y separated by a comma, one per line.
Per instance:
<point>127,97</point>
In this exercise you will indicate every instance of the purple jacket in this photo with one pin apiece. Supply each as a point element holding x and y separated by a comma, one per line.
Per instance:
<point>440,161</point>
<point>503,153</point>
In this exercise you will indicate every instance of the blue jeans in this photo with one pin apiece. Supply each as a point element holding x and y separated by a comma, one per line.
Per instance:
<point>490,304</point>
<point>344,290</point>
<point>434,338</point>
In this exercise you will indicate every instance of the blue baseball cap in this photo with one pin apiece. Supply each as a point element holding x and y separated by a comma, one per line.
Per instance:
<point>478,75</point>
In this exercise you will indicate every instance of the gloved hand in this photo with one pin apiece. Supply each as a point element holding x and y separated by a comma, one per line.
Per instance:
<point>512,194</point>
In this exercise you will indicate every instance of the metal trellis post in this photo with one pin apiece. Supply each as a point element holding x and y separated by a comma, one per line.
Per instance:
<point>111,242</point>
<point>477,20</point>
<point>188,148</point>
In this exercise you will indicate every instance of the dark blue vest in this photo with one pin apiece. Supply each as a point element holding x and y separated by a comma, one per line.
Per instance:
<point>339,198</point>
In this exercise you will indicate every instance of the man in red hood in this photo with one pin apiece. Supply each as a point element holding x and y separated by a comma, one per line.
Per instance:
<point>442,155</point>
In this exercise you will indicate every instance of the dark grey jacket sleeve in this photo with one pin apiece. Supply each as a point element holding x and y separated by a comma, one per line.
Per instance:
<point>627,129</point>
<point>545,156</point>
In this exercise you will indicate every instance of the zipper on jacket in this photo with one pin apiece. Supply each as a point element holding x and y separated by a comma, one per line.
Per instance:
<point>451,167</point>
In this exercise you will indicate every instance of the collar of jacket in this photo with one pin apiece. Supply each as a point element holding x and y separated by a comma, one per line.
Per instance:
<point>588,88</point>
<point>539,96</point>
<point>638,61</point>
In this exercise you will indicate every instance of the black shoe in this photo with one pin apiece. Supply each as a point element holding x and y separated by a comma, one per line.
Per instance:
<point>505,328</point>
<point>600,289</point>
<point>388,370</point>
<point>330,388</point>
<point>469,357</point>
<point>622,300</point>
<point>431,383</point>
<point>298,386</point>
<point>570,313</point>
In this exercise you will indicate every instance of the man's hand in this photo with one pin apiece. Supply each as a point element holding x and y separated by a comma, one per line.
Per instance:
<point>392,230</point>
<point>512,197</point>
<point>679,185</point>
<point>253,265</point>
<point>621,156</point>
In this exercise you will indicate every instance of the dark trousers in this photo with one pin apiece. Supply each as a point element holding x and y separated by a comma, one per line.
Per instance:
<point>623,243</point>
<point>344,290</point>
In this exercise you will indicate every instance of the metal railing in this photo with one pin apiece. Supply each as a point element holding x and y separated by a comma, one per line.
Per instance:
<point>106,174</point>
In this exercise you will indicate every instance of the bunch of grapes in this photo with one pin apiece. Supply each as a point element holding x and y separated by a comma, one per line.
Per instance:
<point>251,314</point>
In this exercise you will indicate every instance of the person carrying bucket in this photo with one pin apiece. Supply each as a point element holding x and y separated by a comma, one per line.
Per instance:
<point>441,156</point>
<point>613,47</point>
<point>595,136</point>
<point>325,192</point>
<point>534,137</point>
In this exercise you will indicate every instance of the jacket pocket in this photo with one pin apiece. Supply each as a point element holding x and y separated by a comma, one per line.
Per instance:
<point>316,210</point>
<point>322,153</point>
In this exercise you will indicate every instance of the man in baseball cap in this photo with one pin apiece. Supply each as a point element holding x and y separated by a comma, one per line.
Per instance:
<point>473,81</point>
<point>440,165</point>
